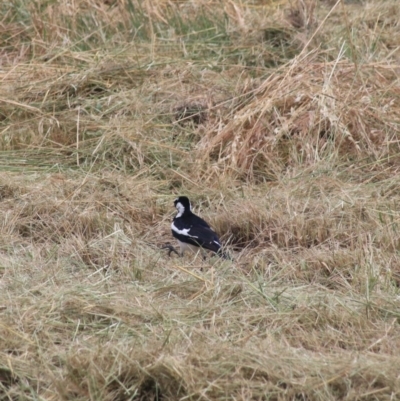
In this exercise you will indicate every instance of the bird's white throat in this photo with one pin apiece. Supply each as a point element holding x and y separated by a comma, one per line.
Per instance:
<point>180,208</point>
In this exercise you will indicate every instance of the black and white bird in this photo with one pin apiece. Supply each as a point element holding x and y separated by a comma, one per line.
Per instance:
<point>192,232</point>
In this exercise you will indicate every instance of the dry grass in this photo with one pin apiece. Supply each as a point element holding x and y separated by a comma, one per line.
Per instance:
<point>280,120</point>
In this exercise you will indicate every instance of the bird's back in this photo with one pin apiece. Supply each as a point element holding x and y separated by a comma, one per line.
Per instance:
<point>194,230</point>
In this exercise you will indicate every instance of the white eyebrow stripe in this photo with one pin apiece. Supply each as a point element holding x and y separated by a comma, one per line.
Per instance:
<point>184,231</point>
<point>217,243</point>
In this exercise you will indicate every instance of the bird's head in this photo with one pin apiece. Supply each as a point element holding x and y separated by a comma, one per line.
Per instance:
<point>182,205</point>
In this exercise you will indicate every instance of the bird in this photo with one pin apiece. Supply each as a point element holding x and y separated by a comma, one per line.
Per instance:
<point>192,232</point>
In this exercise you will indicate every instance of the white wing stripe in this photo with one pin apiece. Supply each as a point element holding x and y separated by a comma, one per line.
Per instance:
<point>184,231</point>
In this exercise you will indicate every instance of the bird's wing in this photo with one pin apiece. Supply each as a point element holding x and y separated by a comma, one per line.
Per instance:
<point>198,221</point>
<point>199,236</point>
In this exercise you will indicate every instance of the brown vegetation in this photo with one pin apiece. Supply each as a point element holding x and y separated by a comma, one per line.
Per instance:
<point>279,119</point>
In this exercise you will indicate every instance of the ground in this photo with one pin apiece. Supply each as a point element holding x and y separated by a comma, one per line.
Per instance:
<point>279,120</point>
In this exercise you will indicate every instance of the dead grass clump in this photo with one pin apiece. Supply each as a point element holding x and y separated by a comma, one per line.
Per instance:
<point>60,111</point>
<point>117,374</point>
<point>89,210</point>
<point>313,213</point>
<point>301,14</point>
<point>50,222</point>
<point>9,191</point>
<point>97,253</point>
<point>378,24</point>
<point>327,266</point>
<point>191,112</point>
<point>266,39</point>
<point>302,115</point>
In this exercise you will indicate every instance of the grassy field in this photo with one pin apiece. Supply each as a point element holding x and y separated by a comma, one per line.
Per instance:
<point>279,120</point>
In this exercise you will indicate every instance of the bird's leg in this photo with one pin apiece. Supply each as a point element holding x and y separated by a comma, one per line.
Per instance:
<point>170,249</point>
